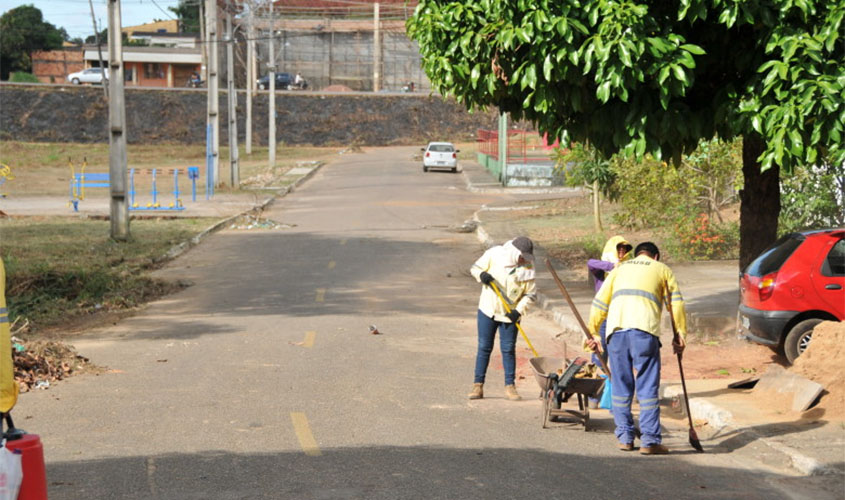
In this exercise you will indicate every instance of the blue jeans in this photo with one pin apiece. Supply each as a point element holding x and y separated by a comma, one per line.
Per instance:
<point>507,343</point>
<point>631,350</point>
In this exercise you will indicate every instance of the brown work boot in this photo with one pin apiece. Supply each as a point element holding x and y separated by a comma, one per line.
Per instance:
<point>477,391</point>
<point>626,446</point>
<point>655,449</point>
<point>510,393</point>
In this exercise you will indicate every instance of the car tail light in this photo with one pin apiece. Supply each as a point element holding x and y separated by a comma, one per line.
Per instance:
<point>454,155</point>
<point>766,286</point>
<point>427,154</point>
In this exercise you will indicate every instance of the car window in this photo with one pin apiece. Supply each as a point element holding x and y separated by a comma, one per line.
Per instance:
<point>441,148</point>
<point>773,258</point>
<point>834,264</point>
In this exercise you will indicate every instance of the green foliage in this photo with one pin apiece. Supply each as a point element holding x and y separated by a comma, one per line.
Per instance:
<point>813,198</point>
<point>22,77</point>
<point>582,166</point>
<point>188,13</point>
<point>22,32</point>
<point>648,77</point>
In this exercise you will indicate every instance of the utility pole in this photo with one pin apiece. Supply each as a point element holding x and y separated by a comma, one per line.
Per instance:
<point>118,208</point>
<point>234,168</point>
<point>213,169</point>
<point>204,40</point>
<point>271,111</point>
<point>376,49</point>
<point>250,75</point>
<point>99,49</point>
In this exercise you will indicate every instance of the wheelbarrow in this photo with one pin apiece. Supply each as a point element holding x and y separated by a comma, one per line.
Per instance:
<point>557,381</point>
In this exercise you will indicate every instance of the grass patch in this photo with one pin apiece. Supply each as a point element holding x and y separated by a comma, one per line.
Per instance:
<point>60,268</point>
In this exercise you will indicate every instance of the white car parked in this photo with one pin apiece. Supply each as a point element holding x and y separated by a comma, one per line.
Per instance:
<point>440,155</point>
<point>90,75</point>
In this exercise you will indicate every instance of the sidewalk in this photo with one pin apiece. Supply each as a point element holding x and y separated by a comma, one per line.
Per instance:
<point>731,419</point>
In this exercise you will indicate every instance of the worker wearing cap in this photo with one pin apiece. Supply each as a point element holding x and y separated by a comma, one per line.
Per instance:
<point>616,250</point>
<point>631,300</point>
<point>8,386</point>
<point>511,268</point>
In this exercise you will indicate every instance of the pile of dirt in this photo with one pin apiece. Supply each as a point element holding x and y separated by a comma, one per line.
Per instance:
<point>41,363</point>
<point>822,363</point>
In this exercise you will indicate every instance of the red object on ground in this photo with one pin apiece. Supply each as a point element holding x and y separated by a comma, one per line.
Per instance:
<point>34,484</point>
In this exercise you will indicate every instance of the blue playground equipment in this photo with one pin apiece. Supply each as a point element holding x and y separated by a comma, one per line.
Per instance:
<point>80,181</point>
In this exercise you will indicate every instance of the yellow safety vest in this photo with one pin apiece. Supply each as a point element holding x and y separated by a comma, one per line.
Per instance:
<point>8,386</point>
<point>632,296</point>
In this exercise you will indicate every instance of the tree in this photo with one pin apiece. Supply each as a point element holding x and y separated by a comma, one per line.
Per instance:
<point>652,76</point>
<point>22,32</point>
<point>188,13</point>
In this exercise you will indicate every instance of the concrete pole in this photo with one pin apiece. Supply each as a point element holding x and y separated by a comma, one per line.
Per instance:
<point>204,39</point>
<point>250,76</point>
<point>503,148</point>
<point>234,168</point>
<point>376,49</point>
<point>213,90</point>
<point>118,207</point>
<point>271,110</point>
<point>99,49</point>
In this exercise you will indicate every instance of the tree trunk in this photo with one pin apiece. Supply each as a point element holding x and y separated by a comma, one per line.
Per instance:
<point>597,207</point>
<point>760,203</point>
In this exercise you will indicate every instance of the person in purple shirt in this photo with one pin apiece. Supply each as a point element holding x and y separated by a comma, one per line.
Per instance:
<point>616,250</point>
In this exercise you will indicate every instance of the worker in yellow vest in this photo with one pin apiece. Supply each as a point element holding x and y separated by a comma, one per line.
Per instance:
<point>8,387</point>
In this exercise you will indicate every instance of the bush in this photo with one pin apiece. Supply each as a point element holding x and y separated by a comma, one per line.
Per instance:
<point>701,239</point>
<point>812,198</point>
<point>21,77</point>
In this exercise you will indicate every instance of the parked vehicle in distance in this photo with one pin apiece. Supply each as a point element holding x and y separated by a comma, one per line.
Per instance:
<point>791,287</point>
<point>283,81</point>
<point>440,155</point>
<point>90,75</point>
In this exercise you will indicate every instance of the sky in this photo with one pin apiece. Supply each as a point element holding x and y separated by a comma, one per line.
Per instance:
<point>75,15</point>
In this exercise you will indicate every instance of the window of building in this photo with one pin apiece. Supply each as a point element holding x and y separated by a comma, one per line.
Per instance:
<point>153,70</point>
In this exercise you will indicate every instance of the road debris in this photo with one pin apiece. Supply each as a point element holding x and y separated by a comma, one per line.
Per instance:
<point>40,363</point>
<point>251,222</point>
<point>374,330</point>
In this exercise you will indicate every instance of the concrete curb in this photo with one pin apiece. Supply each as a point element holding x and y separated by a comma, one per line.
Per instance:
<point>722,419</point>
<point>177,250</point>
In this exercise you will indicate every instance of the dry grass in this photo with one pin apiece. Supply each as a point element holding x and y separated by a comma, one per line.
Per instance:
<point>44,169</point>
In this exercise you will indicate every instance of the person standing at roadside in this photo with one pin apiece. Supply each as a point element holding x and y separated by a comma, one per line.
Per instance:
<point>631,299</point>
<point>510,267</point>
<point>616,250</point>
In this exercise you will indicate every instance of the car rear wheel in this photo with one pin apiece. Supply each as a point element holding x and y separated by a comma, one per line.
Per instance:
<point>75,81</point>
<point>425,168</point>
<point>798,339</point>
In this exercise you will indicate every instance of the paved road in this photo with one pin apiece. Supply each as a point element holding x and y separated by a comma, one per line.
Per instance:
<point>263,381</point>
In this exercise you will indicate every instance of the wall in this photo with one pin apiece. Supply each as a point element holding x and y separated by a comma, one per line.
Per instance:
<point>53,66</point>
<point>80,114</point>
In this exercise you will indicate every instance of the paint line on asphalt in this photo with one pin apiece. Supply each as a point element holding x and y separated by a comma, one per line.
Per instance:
<point>321,295</point>
<point>332,264</point>
<point>303,433</point>
<point>309,339</point>
<point>343,241</point>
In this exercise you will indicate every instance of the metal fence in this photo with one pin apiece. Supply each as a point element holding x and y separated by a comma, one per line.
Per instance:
<point>524,146</point>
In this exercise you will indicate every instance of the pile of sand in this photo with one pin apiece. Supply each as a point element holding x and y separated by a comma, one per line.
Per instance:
<point>823,363</point>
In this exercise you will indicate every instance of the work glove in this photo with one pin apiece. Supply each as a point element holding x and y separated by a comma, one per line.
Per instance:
<point>486,277</point>
<point>513,315</point>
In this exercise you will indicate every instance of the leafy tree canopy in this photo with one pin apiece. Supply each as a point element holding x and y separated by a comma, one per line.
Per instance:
<point>649,76</point>
<point>188,13</point>
<point>22,32</point>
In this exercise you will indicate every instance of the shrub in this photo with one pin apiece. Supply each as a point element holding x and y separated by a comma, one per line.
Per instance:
<point>701,239</point>
<point>21,77</point>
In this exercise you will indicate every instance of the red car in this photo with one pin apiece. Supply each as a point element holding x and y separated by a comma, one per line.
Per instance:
<point>791,287</point>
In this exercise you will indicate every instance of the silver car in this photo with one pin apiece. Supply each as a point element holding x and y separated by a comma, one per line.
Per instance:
<point>90,75</point>
<point>440,155</point>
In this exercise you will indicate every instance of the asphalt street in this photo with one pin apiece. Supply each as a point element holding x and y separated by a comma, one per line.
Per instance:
<point>262,380</point>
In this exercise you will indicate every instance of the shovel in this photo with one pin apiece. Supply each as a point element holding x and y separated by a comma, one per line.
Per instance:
<point>508,309</point>
<point>693,436</point>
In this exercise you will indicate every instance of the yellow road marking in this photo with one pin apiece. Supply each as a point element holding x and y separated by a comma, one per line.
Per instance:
<point>309,339</point>
<point>321,295</point>
<point>303,433</point>
<point>332,264</point>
